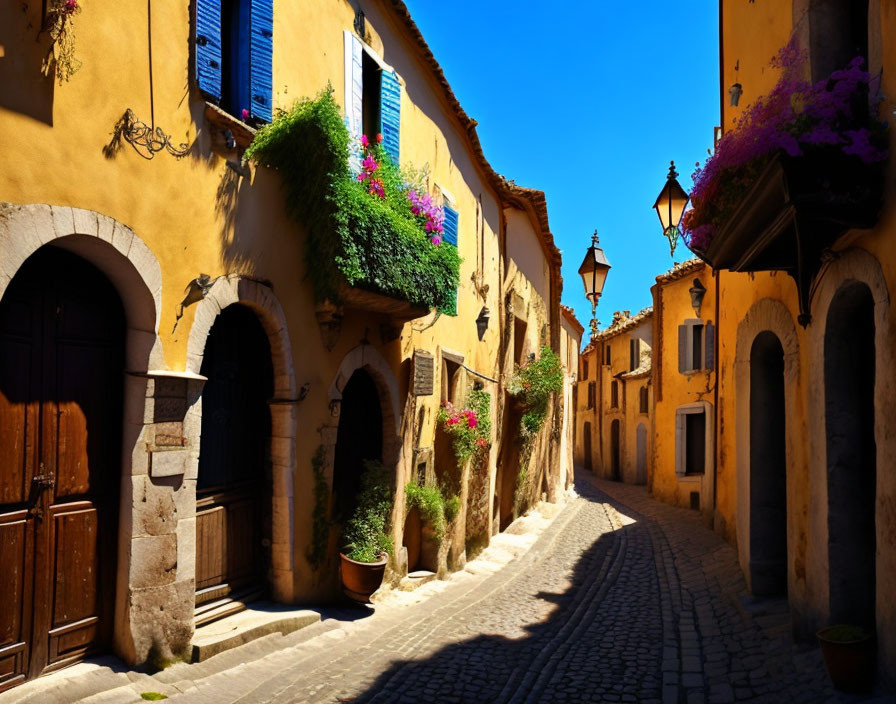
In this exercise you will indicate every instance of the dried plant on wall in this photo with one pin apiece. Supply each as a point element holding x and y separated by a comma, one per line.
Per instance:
<point>58,23</point>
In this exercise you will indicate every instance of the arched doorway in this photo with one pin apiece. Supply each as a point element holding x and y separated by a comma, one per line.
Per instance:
<point>641,442</point>
<point>62,328</point>
<point>614,450</point>
<point>234,471</point>
<point>358,438</point>
<point>768,467</point>
<point>849,378</point>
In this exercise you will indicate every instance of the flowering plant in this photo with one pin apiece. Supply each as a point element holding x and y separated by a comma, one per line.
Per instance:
<point>470,427</point>
<point>430,215</point>
<point>60,57</point>
<point>534,384</point>
<point>366,240</point>
<point>830,118</point>
<point>376,160</point>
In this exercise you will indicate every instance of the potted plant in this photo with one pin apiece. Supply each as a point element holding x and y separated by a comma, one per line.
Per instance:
<point>366,537</point>
<point>850,655</point>
<point>433,509</point>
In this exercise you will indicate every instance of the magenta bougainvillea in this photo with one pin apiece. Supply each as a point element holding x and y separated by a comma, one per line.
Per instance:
<point>383,178</point>
<point>797,118</point>
<point>431,216</point>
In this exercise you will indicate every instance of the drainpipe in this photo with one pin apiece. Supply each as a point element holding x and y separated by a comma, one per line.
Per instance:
<point>716,424</point>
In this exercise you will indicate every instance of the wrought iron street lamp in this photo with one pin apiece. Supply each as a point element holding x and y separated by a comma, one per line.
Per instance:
<point>594,273</point>
<point>670,205</point>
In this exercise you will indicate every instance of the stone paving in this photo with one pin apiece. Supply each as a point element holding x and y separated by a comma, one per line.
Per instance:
<point>621,599</point>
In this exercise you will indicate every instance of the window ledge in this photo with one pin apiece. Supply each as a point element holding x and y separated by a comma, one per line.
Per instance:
<point>689,478</point>
<point>242,133</point>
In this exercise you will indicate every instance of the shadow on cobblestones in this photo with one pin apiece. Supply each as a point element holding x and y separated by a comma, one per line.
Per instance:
<point>559,643</point>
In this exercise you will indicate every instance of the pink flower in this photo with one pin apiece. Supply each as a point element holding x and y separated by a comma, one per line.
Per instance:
<point>379,138</point>
<point>453,420</point>
<point>370,164</point>
<point>245,113</point>
<point>481,442</point>
<point>361,176</point>
<point>364,141</point>
<point>436,240</point>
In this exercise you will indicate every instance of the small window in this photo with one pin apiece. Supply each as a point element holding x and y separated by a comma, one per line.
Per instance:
<point>696,346</point>
<point>608,355</point>
<point>614,394</point>
<point>644,399</point>
<point>634,354</point>
<point>592,394</point>
<point>371,82</point>
<point>584,369</point>
<point>692,439</point>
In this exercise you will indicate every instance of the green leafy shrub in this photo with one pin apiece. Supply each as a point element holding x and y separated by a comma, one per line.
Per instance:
<point>366,534</point>
<point>534,384</point>
<point>452,507</point>
<point>371,242</point>
<point>431,504</point>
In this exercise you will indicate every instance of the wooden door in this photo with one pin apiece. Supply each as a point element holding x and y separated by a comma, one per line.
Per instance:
<point>61,361</point>
<point>233,465</point>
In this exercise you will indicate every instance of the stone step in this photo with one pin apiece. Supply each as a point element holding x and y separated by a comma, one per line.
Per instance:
<point>415,580</point>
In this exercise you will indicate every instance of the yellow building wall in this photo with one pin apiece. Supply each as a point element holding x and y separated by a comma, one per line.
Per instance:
<point>197,216</point>
<point>751,34</point>
<point>672,389</point>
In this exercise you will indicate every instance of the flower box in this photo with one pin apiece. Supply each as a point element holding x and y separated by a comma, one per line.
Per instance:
<point>795,209</point>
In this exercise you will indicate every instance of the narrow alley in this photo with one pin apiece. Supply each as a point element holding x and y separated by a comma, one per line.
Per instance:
<point>622,598</point>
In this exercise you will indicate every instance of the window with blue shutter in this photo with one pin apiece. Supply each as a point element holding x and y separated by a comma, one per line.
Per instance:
<point>449,236</point>
<point>234,54</point>
<point>390,113</point>
<point>450,225</point>
<point>208,47</point>
<point>261,52</point>
<point>354,94</point>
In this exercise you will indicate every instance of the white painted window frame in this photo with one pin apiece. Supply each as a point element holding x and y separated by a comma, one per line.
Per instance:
<point>681,437</point>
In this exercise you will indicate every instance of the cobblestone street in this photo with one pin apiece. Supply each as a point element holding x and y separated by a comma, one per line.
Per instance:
<point>621,599</point>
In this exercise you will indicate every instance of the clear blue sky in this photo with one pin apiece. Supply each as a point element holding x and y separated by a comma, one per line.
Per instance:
<point>588,101</point>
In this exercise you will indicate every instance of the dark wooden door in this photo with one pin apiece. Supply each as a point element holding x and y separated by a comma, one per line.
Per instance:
<point>233,464</point>
<point>587,438</point>
<point>61,362</point>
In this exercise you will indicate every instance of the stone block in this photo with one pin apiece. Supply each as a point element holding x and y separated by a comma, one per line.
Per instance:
<point>84,222</point>
<point>186,549</point>
<point>105,230</point>
<point>168,462</point>
<point>283,451</point>
<point>63,220</point>
<point>283,419</point>
<point>153,560</point>
<point>161,620</point>
<point>153,507</point>
<point>282,481</point>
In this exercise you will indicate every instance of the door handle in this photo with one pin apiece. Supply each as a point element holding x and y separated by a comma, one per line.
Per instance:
<point>42,482</point>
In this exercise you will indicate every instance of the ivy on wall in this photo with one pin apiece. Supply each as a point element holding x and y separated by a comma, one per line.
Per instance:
<point>369,240</point>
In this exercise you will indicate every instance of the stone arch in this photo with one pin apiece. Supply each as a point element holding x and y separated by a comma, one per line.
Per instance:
<point>766,315</point>
<point>851,266</point>
<point>234,289</point>
<point>367,357</point>
<point>107,244</point>
<point>135,273</point>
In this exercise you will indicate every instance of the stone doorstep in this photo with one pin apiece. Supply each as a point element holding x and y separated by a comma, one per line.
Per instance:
<point>415,580</point>
<point>257,620</point>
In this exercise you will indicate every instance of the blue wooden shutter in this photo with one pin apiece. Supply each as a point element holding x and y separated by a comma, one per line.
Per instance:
<point>390,113</point>
<point>450,225</point>
<point>208,47</point>
<point>261,52</point>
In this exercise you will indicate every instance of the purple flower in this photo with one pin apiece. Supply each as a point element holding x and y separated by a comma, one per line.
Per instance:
<point>436,240</point>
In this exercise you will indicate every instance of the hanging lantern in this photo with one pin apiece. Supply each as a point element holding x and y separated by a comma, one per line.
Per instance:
<point>594,271</point>
<point>670,205</point>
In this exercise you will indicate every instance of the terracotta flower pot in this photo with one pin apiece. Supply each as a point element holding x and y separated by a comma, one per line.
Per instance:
<point>361,579</point>
<point>850,660</point>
